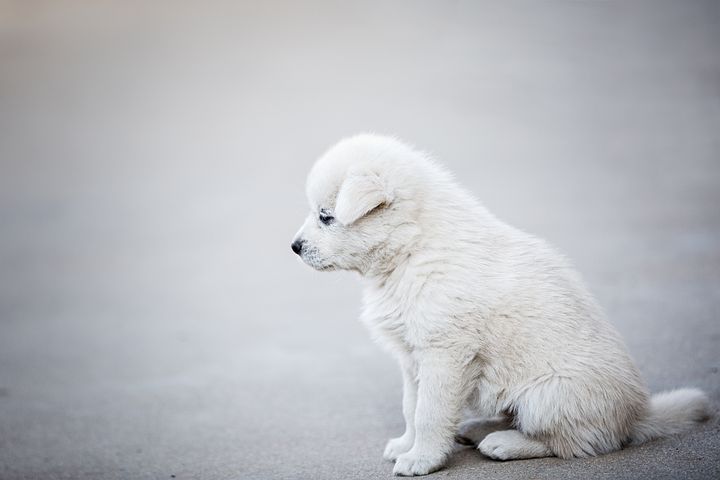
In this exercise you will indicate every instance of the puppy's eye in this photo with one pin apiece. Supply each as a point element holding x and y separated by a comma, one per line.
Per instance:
<point>325,218</point>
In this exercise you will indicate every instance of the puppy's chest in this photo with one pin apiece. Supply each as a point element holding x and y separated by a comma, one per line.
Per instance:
<point>391,318</point>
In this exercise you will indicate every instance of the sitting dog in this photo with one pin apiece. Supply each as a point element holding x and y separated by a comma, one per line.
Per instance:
<point>479,314</point>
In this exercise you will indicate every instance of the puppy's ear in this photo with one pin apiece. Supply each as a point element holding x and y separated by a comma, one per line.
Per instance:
<point>359,194</point>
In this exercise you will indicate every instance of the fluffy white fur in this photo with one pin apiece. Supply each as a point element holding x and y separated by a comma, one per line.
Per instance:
<point>481,316</point>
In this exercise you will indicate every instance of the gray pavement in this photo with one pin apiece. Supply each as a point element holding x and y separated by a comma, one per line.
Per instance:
<point>153,320</point>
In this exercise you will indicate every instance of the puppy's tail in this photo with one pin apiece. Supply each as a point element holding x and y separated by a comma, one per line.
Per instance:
<point>670,413</point>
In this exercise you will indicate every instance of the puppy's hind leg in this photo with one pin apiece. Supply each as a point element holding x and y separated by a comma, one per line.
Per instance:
<point>513,445</point>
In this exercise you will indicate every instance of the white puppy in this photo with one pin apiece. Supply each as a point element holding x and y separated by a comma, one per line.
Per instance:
<point>480,315</point>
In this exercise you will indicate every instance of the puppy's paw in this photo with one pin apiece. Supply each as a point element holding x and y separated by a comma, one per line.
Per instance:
<point>397,446</point>
<point>410,464</point>
<point>512,445</point>
<point>495,447</point>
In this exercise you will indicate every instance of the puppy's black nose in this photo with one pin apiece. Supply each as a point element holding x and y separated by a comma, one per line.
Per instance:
<point>297,246</point>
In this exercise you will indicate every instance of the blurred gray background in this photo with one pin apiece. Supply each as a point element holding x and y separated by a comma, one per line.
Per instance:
<point>153,320</point>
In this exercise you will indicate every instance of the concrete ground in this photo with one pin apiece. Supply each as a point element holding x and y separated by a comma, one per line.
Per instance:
<point>153,320</point>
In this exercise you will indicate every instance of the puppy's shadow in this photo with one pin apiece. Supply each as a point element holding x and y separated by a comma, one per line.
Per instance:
<point>472,432</point>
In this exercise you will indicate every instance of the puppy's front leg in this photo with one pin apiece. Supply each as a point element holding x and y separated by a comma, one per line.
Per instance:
<point>397,446</point>
<point>440,397</point>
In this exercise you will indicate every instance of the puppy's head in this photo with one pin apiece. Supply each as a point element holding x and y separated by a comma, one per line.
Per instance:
<point>359,216</point>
